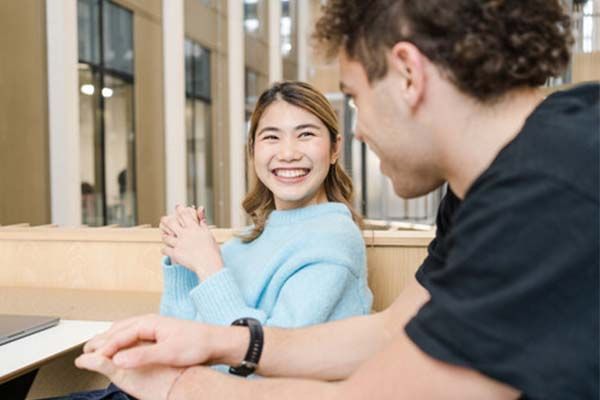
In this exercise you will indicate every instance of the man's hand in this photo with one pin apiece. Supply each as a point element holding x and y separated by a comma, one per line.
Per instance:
<point>189,242</point>
<point>168,341</point>
<point>148,383</point>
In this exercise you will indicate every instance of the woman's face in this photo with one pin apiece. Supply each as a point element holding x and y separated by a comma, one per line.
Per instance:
<point>292,155</point>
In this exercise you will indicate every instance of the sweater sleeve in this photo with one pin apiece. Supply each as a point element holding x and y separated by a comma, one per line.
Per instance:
<point>309,296</point>
<point>178,282</point>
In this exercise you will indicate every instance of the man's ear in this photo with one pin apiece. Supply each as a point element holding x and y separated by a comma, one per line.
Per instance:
<point>407,61</point>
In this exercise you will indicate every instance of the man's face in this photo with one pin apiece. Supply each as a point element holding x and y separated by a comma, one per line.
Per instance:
<point>391,128</point>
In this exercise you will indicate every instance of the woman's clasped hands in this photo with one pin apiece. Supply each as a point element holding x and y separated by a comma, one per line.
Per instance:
<point>188,241</point>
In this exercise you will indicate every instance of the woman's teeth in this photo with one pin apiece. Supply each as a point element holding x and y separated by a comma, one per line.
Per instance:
<point>291,173</point>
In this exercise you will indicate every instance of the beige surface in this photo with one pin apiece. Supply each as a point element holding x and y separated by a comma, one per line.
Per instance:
<point>586,67</point>
<point>149,120</point>
<point>24,160</point>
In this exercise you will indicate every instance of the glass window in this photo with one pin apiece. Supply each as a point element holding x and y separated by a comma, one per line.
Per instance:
<point>106,110</point>
<point>286,28</point>
<point>92,182</point>
<point>118,38</point>
<point>200,187</point>
<point>119,140</point>
<point>88,33</point>
<point>587,29</point>
<point>251,16</point>
<point>202,72</point>
<point>251,86</point>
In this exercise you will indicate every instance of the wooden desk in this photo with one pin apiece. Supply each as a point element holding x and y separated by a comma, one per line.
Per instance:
<point>31,352</point>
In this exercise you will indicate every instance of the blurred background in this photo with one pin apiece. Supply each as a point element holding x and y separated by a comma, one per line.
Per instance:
<point>114,111</point>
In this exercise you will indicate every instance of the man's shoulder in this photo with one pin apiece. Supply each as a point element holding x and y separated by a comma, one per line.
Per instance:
<point>559,141</point>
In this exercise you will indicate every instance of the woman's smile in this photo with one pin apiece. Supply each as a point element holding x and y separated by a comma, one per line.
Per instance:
<point>291,175</point>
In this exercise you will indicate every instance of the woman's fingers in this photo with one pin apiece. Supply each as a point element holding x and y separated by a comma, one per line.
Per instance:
<point>164,225</point>
<point>171,225</point>
<point>169,240</point>
<point>186,216</point>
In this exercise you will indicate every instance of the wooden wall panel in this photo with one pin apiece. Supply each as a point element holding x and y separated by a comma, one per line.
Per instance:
<point>149,121</point>
<point>24,148</point>
<point>586,67</point>
<point>206,25</point>
<point>390,269</point>
<point>128,260</point>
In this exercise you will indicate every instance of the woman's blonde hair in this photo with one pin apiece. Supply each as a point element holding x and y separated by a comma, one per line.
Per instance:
<point>259,202</point>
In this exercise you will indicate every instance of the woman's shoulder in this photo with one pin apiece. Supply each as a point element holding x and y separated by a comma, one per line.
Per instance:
<point>334,226</point>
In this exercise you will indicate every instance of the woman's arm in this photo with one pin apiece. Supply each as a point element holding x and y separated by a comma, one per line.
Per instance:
<point>175,300</point>
<point>313,294</point>
<point>187,245</point>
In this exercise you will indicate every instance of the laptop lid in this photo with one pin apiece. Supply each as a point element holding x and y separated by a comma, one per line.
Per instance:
<point>13,327</point>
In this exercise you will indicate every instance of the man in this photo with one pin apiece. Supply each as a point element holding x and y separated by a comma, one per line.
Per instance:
<point>506,304</point>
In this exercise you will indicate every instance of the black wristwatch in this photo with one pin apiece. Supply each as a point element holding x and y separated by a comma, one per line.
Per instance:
<point>250,362</point>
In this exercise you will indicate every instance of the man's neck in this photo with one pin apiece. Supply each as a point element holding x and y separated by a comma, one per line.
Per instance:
<point>474,135</point>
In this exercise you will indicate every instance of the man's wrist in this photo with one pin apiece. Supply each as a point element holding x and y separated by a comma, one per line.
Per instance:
<point>230,344</point>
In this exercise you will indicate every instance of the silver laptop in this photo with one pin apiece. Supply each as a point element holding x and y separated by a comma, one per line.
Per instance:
<point>13,327</point>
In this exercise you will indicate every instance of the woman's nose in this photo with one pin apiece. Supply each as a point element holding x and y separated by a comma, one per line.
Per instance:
<point>288,150</point>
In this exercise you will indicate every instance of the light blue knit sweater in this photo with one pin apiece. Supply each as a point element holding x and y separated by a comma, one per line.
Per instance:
<point>307,267</point>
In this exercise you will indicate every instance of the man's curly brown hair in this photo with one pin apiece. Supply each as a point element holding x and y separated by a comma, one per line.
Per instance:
<point>485,47</point>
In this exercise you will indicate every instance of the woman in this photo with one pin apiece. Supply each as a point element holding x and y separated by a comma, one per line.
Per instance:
<point>303,260</point>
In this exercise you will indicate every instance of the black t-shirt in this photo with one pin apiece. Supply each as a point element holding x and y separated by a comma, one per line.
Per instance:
<point>513,271</point>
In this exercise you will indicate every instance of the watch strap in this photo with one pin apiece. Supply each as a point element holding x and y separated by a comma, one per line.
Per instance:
<point>252,357</point>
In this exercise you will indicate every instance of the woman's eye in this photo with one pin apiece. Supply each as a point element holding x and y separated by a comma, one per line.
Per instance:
<point>269,137</point>
<point>307,134</point>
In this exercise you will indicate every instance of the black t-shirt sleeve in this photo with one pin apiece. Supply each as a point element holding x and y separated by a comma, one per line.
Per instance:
<point>517,298</point>
<point>436,251</point>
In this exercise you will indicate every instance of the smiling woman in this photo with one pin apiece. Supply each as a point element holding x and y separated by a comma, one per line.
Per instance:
<point>294,145</point>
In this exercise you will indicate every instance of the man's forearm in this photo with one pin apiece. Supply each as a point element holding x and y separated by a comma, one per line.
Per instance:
<point>330,351</point>
<point>327,352</point>
<point>205,384</point>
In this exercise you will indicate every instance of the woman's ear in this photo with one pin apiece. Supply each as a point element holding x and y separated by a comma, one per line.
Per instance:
<point>336,148</point>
